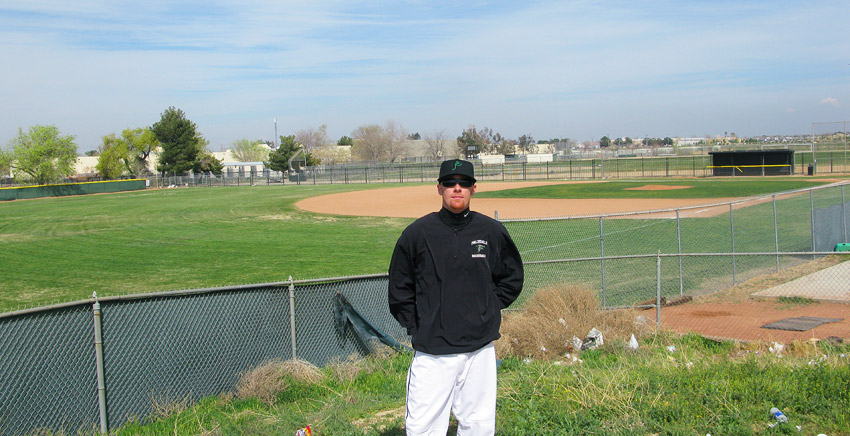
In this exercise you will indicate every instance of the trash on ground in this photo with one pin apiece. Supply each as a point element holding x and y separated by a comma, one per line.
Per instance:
<point>592,340</point>
<point>633,343</point>
<point>777,348</point>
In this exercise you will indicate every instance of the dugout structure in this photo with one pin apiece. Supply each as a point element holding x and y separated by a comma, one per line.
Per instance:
<point>752,163</point>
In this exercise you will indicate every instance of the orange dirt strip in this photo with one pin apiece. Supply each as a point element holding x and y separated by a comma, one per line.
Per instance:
<point>743,320</point>
<point>416,201</point>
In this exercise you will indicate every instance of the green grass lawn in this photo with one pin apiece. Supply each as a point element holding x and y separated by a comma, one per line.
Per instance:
<point>62,249</point>
<point>712,188</point>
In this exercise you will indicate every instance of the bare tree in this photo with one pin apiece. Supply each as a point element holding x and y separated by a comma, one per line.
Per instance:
<point>436,142</point>
<point>368,143</point>
<point>375,143</point>
<point>312,138</point>
<point>396,136</point>
<point>332,155</point>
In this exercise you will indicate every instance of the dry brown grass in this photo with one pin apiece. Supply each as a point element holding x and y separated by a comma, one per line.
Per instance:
<point>302,371</point>
<point>545,328</point>
<point>346,369</point>
<point>270,379</point>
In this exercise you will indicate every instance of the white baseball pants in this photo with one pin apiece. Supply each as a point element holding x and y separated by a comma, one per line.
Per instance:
<point>464,384</point>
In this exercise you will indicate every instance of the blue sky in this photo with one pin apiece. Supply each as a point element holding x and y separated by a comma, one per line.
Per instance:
<point>577,69</point>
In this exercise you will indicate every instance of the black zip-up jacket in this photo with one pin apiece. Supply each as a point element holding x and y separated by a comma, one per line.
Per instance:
<point>449,278</point>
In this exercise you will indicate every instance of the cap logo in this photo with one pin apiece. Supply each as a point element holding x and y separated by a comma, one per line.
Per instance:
<point>457,164</point>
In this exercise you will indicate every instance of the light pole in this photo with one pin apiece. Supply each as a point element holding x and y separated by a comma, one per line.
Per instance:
<point>275,134</point>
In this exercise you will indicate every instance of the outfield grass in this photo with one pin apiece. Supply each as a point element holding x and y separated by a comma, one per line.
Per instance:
<point>62,249</point>
<point>711,188</point>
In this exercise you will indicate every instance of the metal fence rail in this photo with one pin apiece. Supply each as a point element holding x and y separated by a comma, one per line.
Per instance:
<point>170,347</point>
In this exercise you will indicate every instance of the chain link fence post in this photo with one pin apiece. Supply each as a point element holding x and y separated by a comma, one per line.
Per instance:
<point>101,381</point>
<point>775,233</point>
<point>292,317</point>
<point>812,202</point>
<point>658,291</point>
<point>844,205</point>
<point>602,256</point>
<point>679,240</point>
<point>732,237</point>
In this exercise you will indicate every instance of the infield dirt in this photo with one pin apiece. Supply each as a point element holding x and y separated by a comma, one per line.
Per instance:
<point>416,201</point>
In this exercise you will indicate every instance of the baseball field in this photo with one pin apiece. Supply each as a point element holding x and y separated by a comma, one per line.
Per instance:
<point>63,249</point>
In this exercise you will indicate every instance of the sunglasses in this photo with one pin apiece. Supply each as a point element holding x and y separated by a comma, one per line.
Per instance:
<point>452,182</point>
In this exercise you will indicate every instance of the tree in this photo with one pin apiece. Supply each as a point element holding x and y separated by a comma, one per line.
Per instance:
<point>526,144</point>
<point>396,141</point>
<point>246,150</point>
<point>470,143</point>
<point>279,159</point>
<point>114,154</point>
<point>436,145</point>
<point>604,142</point>
<point>92,153</point>
<point>414,137</point>
<point>345,140</point>
<point>312,138</point>
<point>42,155</point>
<point>127,154</point>
<point>331,155</point>
<point>182,144</point>
<point>375,143</point>
<point>5,163</point>
<point>504,146</point>
<point>207,163</point>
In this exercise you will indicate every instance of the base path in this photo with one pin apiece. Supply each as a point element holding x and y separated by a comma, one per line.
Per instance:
<point>416,201</point>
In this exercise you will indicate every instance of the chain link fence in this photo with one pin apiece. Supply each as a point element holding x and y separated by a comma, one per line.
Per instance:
<point>561,168</point>
<point>163,349</point>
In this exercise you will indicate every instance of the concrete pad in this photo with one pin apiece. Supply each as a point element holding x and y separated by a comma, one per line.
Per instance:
<point>831,284</point>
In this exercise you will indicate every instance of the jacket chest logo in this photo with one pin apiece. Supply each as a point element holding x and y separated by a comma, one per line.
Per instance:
<point>478,247</point>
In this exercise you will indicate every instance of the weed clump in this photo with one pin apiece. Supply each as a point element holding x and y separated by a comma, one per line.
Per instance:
<point>267,381</point>
<point>555,316</point>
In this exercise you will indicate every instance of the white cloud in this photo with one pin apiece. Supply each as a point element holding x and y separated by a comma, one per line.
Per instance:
<point>832,101</point>
<point>546,67</point>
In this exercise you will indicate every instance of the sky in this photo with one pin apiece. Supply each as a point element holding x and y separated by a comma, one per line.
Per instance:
<point>551,69</point>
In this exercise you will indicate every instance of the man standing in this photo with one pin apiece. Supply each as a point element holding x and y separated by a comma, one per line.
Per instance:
<point>451,274</point>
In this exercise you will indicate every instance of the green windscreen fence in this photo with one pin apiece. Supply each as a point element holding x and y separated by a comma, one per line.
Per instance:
<point>59,190</point>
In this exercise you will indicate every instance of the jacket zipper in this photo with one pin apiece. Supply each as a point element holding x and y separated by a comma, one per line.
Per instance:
<point>456,243</point>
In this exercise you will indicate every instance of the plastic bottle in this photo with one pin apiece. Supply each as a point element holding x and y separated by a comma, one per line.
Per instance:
<point>778,415</point>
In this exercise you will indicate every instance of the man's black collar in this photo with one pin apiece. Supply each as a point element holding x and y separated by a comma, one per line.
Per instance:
<point>455,220</point>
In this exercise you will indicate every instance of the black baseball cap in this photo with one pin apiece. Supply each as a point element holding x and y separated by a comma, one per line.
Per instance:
<point>457,167</point>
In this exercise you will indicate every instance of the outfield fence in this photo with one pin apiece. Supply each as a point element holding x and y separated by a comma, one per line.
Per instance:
<point>560,169</point>
<point>100,363</point>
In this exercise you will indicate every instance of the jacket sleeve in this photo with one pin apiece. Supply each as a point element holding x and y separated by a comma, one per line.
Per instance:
<point>401,293</point>
<point>508,276</point>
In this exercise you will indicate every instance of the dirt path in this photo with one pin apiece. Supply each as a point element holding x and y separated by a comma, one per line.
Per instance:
<point>744,320</point>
